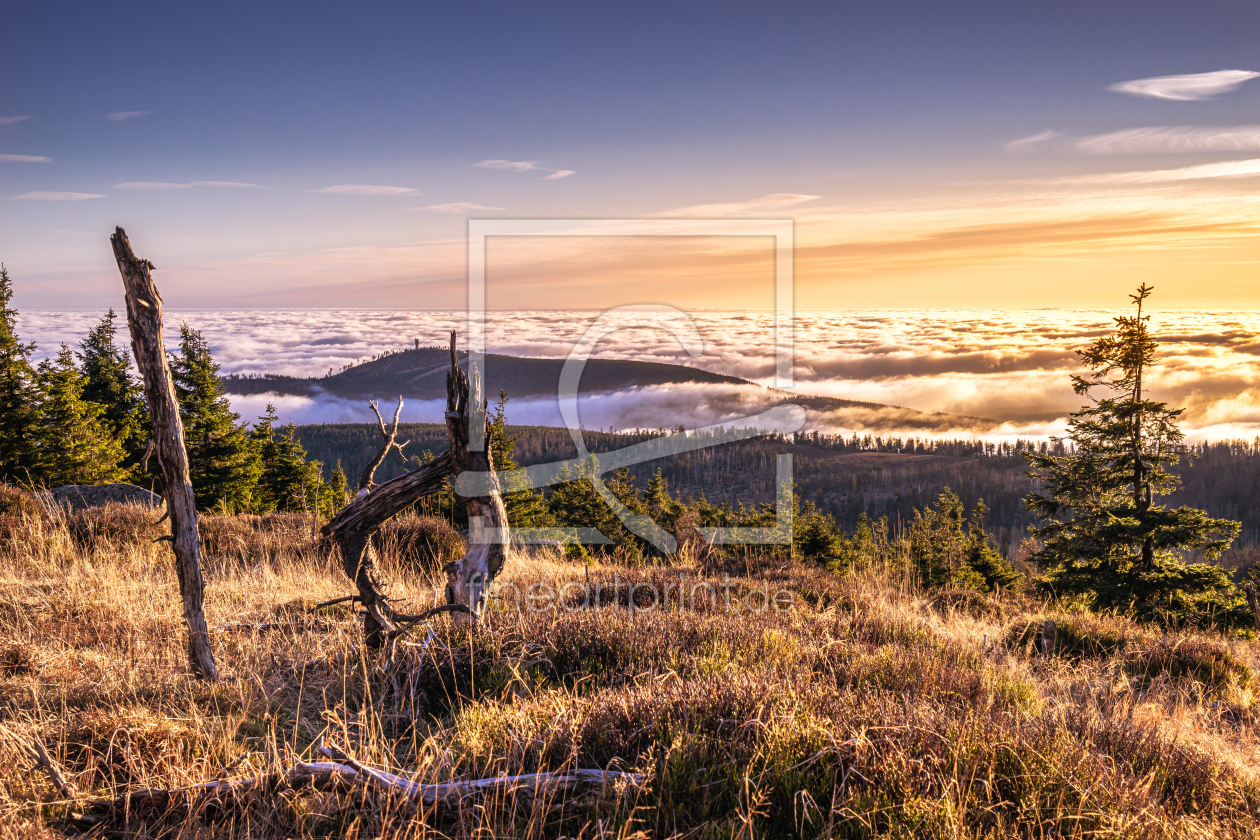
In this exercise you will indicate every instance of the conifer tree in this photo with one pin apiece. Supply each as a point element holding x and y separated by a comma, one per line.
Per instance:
<point>1105,539</point>
<point>19,394</point>
<point>76,446</point>
<point>526,508</point>
<point>334,494</point>
<point>287,480</point>
<point>222,459</point>
<point>108,382</point>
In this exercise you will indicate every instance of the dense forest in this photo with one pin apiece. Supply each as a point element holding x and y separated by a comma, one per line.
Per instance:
<point>845,477</point>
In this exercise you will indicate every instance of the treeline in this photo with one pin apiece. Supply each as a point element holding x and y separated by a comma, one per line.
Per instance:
<point>81,418</point>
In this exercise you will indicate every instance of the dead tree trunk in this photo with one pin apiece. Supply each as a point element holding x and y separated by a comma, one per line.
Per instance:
<point>144,318</point>
<point>352,528</point>
<point>468,578</point>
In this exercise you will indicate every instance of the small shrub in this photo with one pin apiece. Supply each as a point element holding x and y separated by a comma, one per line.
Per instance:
<point>18,511</point>
<point>966,601</point>
<point>115,526</point>
<point>418,545</point>
<point>1186,657</point>
<point>14,501</point>
<point>1078,637</point>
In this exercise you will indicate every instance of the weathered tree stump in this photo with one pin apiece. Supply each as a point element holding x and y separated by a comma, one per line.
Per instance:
<point>144,319</point>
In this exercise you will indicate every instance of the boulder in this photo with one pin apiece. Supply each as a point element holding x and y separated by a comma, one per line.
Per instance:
<point>84,496</point>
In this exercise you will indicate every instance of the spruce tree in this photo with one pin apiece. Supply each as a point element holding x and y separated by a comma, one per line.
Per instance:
<point>222,459</point>
<point>76,445</point>
<point>19,394</point>
<point>287,480</point>
<point>526,507</point>
<point>108,382</point>
<point>334,494</point>
<point>1106,541</point>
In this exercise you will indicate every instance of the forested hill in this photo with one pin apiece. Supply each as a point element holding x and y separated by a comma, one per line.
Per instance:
<point>843,476</point>
<point>421,374</point>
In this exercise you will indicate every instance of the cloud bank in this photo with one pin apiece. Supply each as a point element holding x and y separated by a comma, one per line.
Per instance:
<point>120,116</point>
<point>24,159</point>
<point>1008,366</point>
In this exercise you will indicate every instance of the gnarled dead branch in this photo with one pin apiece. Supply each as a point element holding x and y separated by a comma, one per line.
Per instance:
<point>390,435</point>
<point>467,578</point>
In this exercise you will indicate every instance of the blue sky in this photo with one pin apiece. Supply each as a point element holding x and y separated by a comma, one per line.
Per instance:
<point>886,127</point>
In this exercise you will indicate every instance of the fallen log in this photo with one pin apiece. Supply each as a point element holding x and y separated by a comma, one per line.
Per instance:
<point>343,771</point>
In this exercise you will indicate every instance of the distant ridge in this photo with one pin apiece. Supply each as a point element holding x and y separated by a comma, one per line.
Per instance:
<point>421,375</point>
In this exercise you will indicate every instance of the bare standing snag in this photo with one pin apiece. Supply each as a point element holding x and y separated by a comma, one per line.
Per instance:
<point>144,319</point>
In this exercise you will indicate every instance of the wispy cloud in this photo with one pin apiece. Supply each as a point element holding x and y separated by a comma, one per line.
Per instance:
<point>367,189</point>
<point>8,120</point>
<point>511,165</point>
<point>1163,139</point>
<point>24,159</point>
<point>1032,143</point>
<point>765,204</point>
<point>119,116</point>
<point>57,196</point>
<point>167,185</point>
<point>455,207</point>
<point>525,166</point>
<point>1228,169</point>
<point>1187,88</point>
<point>149,185</point>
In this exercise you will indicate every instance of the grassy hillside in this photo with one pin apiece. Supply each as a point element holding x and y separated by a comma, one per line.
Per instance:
<point>861,708</point>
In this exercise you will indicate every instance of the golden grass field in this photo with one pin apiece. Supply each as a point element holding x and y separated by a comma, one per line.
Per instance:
<point>865,709</point>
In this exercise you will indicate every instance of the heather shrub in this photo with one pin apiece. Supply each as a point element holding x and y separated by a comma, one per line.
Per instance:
<point>417,545</point>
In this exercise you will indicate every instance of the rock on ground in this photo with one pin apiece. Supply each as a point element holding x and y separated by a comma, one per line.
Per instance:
<point>82,496</point>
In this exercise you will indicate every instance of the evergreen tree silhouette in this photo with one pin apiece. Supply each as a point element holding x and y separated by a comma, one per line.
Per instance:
<point>108,382</point>
<point>1105,539</point>
<point>222,459</point>
<point>19,394</point>
<point>77,446</point>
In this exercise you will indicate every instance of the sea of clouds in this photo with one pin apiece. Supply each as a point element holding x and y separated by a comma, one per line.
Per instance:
<point>1008,366</point>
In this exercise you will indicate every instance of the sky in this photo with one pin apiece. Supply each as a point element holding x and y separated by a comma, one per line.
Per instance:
<point>934,155</point>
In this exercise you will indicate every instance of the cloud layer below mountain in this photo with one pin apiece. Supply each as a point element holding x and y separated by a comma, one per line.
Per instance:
<point>1010,367</point>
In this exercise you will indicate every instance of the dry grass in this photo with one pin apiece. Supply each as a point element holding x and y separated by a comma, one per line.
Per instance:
<point>863,710</point>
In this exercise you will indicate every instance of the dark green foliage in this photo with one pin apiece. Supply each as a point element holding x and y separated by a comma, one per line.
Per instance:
<point>108,382</point>
<point>334,494</point>
<point>948,552</point>
<point>1105,540</point>
<point>221,456</point>
<point>526,508</point>
<point>19,393</point>
<point>76,445</point>
<point>287,481</point>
